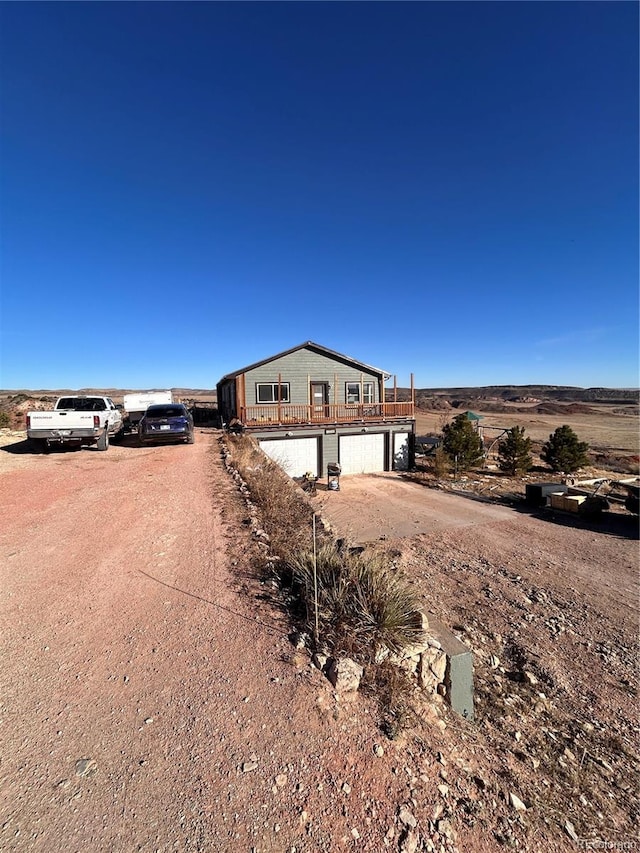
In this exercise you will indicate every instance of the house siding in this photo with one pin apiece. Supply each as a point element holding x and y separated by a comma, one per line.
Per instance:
<point>301,368</point>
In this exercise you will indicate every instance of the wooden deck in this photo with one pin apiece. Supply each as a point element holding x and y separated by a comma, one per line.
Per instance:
<point>341,413</point>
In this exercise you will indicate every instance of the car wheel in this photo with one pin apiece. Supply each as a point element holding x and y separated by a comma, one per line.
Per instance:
<point>103,441</point>
<point>190,438</point>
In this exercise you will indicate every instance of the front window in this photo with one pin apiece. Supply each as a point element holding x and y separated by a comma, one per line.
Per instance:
<point>355,390</point>
<point>267,392</point>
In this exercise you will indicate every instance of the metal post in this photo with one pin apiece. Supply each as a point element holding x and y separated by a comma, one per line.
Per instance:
<point>315,582</point>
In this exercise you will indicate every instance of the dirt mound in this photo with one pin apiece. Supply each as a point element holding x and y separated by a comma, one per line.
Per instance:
<point>563,409</point>
<point>433,404</point>
<point>17,406</point>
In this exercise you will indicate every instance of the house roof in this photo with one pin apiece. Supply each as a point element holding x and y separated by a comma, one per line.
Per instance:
<point>317,348</point>
<point>473,417</point>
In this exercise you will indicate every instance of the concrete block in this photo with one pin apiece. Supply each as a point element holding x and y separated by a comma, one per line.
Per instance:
<point>458,678</point>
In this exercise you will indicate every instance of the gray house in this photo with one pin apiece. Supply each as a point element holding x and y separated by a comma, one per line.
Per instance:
<point>309,407</point>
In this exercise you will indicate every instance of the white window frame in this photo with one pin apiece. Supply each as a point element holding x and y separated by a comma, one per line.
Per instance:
<point>368,393</point>
<point>284,391</point>
<point>351,398</point>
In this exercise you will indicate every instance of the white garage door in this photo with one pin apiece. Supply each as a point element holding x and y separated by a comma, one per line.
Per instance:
<point>295,455</point>
<point>400,451</point>
<point>362,454</point>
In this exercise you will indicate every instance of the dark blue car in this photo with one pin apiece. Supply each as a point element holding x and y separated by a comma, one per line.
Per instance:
<point>166,422</point>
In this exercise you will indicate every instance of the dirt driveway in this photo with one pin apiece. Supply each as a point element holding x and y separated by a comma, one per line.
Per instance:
<point>152,700</point>
<point>371,506</point>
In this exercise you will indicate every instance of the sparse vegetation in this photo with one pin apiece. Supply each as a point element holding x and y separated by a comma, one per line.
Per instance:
<point>514,452</point>
<point>285,515</point>
<point>564,451</point>
<point>364,605</point>
<point>5,420</point>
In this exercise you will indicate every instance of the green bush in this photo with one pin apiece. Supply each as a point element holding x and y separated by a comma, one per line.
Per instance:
<point>5,420</point>
<point>462,443</point>
<point>564,452</point>
<point>514,452</point>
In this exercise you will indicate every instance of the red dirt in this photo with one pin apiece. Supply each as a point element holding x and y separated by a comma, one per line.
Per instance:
<point>153,701</point>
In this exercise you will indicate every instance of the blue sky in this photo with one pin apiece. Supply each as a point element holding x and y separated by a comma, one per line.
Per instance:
<point>443,189</point>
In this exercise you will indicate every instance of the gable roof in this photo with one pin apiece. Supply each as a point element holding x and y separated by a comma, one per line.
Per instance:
<point>317,348</point>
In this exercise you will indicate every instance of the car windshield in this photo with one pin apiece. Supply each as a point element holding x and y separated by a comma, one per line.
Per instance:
<point>166,412</point>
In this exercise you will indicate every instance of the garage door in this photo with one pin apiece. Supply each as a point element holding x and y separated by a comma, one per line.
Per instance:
<point>400,451</point>
<point>295,455</point>
<point>362,454</point>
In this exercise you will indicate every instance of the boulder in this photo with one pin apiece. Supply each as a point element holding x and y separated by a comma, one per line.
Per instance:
<point>345,674</point>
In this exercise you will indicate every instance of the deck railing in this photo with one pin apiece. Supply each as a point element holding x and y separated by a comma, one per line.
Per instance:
<point>332,413</point>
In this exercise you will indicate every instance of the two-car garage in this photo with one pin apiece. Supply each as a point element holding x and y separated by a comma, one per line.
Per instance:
<point>357,453</point>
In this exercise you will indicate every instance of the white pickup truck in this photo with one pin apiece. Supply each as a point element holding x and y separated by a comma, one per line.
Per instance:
<point>136,404</point>
<point>76,420</point>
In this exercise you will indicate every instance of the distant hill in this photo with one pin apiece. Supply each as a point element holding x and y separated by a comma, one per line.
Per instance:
<point>190,393</point>
<point>500,394</point>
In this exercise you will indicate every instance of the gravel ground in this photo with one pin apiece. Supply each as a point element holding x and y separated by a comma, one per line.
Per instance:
<point>152,698</point>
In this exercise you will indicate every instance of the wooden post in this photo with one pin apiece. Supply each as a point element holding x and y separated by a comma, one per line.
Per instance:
<point>395,388</point>
<point>241,398</point>
<point>279,398</point>
<point>413,396</point>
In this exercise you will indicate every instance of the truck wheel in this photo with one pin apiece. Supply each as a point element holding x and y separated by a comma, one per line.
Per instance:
<point>103,441</point>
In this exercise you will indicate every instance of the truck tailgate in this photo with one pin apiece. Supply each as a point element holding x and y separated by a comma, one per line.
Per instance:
<point>60,420</point>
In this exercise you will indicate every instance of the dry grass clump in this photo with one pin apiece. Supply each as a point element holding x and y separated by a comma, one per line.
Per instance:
<point>363,605</point>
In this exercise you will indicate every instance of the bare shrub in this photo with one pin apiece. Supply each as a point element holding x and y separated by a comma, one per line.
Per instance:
<point>441,462</point>
<point>444,420</point>
<point>394,694</point>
